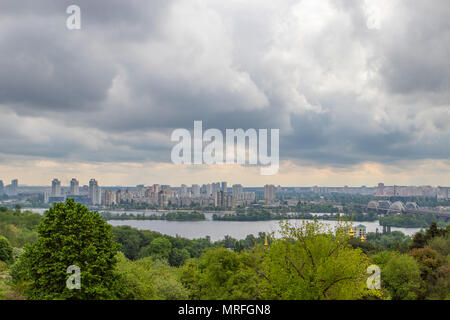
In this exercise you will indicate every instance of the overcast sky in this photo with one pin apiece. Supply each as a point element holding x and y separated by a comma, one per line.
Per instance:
<point>360,90</point>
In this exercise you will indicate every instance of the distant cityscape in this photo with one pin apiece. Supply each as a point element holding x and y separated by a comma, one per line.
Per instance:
<point>216,194</point>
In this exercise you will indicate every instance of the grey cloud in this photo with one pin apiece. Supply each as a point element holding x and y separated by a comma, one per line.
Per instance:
<point>339,92</point>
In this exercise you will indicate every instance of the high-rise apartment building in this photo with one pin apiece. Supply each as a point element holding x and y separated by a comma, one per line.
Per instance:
<point>237,191</point>
<point>156,188</point>
<point>223,200</point>
<point>224,186</point>
<point>74,187</point>
<point>12,189</point>
<point>56,188</point>
<point>184,190</point>
<point>269,193</point>
<point>195,190</point>
<point>95,195</point>
<point>215,187</point>
<point>209,190</point>
<point>109,198</point>
<point>2,188</point>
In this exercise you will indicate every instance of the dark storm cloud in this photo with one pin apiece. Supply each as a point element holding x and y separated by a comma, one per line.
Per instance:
<point>340,91</point>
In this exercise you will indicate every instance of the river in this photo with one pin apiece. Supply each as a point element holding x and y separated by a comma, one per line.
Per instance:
<point>217,230</point>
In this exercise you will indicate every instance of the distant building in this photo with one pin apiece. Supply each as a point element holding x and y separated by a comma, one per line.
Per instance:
<point>360,230</point>
<point>163,198</point>
<point>224,186</point>
<point>12,189</point>
<point>380,189</point>
<point>209,190</point>
<point>195,190</point>
<point>95,194</point>
<point>269,193</point>
<point>156,188</point>
<point>109,198</point>
<point>74,187</point>
<point>81,198</point>
<point>56,199</point>
<point>56,188</point>
<point>184,190</point>
<point>2,189</point>
<point>223,200</point>
<point>237,191</point>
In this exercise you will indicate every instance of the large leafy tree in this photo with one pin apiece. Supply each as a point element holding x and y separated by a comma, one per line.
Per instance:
<point>310,262</point>
<point>70,234</point>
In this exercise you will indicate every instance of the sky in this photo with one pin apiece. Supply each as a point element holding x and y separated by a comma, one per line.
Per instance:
<point>360,90</point>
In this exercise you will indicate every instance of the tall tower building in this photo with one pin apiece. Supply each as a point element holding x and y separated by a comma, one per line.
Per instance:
<point>195,190</point>
<point>74,187</point>
<point>209,190</point>
<point>184,190</point>
<point>269,193</point>
<point>156,188</point>
<point>237,191</point>
<point>56,188</point>
<point>95,194</point>
<point>224,186</point>
<point>2,188</point>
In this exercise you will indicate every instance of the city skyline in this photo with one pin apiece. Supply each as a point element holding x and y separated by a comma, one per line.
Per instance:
<point>74,182</point>
<point>211,194</point>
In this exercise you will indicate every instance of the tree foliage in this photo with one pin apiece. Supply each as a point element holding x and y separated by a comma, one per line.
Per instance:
<point>312,262</point>
<point>6,250</point>
<point>70,234</point>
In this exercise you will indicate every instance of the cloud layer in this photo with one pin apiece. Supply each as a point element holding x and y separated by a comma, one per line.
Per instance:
<point>347,82</point>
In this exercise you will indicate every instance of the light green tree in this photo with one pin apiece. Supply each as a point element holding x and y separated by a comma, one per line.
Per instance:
<point>313,262</point>
<point>145,279</point>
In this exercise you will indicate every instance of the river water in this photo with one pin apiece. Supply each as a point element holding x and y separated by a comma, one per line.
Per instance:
<point>217,230</point>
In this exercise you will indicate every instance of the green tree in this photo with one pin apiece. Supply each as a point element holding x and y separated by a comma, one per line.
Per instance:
<point>130,239</point>
<point>159,248</point>
<point>441,245</point>
<point>6,250</point>
<point>401,276</point>
<point>70,234</point>
<point>310,262</point>
<point>178,257</point>
<point>430,261</point>
<point>145,279</point>
<point>221,274</point>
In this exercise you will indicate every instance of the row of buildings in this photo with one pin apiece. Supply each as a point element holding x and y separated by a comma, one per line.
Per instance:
<point>10,189</point>
<point>386,191</point>
<point>88,195</point>
<point>213,194</point>
<point>412,191</point>
<point>207,195</point>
